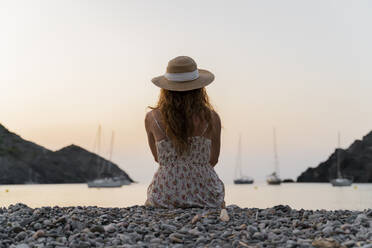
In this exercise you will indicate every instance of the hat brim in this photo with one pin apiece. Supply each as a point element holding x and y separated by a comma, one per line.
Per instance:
<point>205,78</point>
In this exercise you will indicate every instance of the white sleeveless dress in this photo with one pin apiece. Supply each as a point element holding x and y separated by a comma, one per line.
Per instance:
<point>187,180</point>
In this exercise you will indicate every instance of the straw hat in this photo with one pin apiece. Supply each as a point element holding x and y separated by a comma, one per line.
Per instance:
<point>182,75</point>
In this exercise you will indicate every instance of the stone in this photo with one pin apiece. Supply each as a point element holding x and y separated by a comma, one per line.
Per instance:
<point>155,240</point>
<point>201,240</point>
<point>242,226</point>
<point>252,229</point>
<point>369,213</point>
<point>17,229</point>
<point>349,243</point>
<point>62,219</point>
<point>258,236</point>
<point>169,227</point>
<point>326,243</point>
<point>328,230</point>
<point>291,244</point>
<point>47,222</point>
<point>38,234</point>
<point>262,226</point>
<point>21,236</point>
<point>226,234</point>
<point>195,219</point>
<point>37,226</point>
<point>361,218</point>
<point>194,232</point>
<point>110,228</point>
<point>175,237</point>
<point>244,244</point>
<point>22,246</point>
<point>177,246</point>
<point>98,228</point>
<point>224,216</point>
<point>83,244</point>
<point>184,230</point>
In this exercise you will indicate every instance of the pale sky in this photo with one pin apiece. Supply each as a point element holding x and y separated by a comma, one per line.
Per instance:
<point>303,67</point>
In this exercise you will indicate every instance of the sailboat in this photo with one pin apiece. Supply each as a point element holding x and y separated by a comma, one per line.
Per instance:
<point>274,178</point>
<point>239,177</point>
<point>106,182</point>
<point>340,180</point>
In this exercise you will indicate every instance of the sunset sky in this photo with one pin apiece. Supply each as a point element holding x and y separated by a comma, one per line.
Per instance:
<point>303,67</point>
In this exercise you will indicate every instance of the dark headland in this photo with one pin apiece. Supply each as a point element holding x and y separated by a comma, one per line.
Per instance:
<point>355,162</point>
<point>23,162</point>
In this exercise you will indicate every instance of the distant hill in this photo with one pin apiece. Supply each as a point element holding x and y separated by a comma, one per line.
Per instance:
<point>355,161</point>
<point>22,162</point>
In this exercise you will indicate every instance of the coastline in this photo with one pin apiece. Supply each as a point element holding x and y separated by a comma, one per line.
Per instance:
<point>140,226</point>
<point>357,197</point>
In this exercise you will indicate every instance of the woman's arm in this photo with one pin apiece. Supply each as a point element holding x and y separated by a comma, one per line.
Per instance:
<point>150,135</point>
<point>216,139</point>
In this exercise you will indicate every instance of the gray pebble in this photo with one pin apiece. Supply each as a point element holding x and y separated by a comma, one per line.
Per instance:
<point>169,227</point>
<point>47,222</point>
<point>258,235</point>
<point>21,236</point>
<point>97,228</point>
<point>177,246</point>
<point>155,240</point>
<point>328,230</point>
<point>252,229</point>
<point>22,246</point>
<point>110,228</point>
<point>37,226</point>
<point>296,232</point>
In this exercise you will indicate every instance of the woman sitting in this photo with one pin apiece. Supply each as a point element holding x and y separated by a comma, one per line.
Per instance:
<point>183,133</point>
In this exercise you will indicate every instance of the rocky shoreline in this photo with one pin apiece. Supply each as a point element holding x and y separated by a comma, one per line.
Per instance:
<point>24,162</point>
<point>140,226</point>
<point>355,163</point>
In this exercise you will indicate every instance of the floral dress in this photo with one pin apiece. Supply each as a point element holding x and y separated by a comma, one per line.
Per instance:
<point>187,180</point>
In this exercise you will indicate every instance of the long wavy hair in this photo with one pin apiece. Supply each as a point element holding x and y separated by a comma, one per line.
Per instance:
<point>177,111</point>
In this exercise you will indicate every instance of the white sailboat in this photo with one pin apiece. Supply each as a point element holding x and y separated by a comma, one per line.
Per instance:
<point>274,178</point>
<point>340,180</point>
<point>239,177</point>
<point>106,182</point>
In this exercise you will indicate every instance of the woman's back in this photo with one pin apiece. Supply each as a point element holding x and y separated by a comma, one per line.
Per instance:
<point>199,150</point>
<point>188,179</point>
<point>198,155</point>
<point>210,131</point>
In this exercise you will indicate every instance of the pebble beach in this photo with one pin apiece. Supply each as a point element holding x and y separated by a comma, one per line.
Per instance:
<point>140,226</point>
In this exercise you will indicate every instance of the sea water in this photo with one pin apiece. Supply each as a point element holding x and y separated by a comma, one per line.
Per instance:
<point>259,195</point>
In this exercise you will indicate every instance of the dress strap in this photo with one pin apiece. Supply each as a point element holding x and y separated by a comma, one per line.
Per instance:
<point>205,129</point>
<point>157,123</point>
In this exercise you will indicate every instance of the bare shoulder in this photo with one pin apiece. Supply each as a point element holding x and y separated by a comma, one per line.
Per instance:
<point>151,116</point>
<point>216,118</point>
<point>148,119</point>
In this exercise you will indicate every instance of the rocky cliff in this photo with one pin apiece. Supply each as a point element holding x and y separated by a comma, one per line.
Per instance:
<point>23,162</point>
<point>355,162</point>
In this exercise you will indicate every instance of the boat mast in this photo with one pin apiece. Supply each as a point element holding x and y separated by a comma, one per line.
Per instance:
<point>97,141</point>
<point>276,160</point>
<point>97,150</point>
<point>338,155</point>
<point>111,145</point>
<point>238,168</point>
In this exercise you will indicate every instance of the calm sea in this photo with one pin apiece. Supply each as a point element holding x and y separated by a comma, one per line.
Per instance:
<point>304,195</point>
